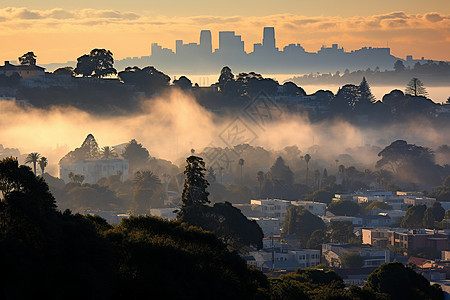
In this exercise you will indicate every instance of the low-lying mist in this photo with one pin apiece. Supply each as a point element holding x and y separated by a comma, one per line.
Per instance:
<point>172,124</point>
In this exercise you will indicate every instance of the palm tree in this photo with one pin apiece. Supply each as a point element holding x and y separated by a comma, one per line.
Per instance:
<point>146,184</point>
<point>43,162</point>
<point>307,159</point>
<point>260,178</point>
<point>108,152</point>
<point>78,178</point>
<point>241,163</point>
<point>383,177</point>
<point>146,180</point>
<point>33,158</point>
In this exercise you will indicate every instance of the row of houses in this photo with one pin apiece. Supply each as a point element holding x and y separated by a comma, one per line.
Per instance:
<point>407,239</point>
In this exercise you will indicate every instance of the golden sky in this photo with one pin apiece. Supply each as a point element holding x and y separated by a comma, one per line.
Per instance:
<point>59,32</point>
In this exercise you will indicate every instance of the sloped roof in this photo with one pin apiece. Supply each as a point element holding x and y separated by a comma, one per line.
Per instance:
<point>10,67</point>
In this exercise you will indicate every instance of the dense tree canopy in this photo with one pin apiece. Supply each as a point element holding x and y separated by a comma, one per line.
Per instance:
<point>136,154</point>
<point>402,282</point>
<point>99,63</point>
<point>228,223</point>
<point>414,217</point>
<point>302,223</point>
<point>28,59</point>
<point>148,79</point>
<point>410,162</point>
<point>344,208</point>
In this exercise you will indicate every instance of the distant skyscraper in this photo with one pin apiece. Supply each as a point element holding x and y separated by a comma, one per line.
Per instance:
<point>178,46</point>
<point>206,41</point>
<point>269,38</point>
<point>230,43</point>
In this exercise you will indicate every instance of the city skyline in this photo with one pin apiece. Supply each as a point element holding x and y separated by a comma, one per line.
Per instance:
<point>266,57</point>
<point>65,33</point>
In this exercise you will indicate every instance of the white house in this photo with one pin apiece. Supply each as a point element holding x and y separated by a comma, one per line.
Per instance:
<point>269,226</point>
<point>372,256</point>
<point>94,169</point>
<point>316,208</point>
<point>288,260</point>
<point>271,208</point>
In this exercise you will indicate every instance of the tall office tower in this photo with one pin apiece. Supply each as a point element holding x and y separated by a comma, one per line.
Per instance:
<point>178,46</point>
<point>230,43</point>
<point>269,38</point>
<point>205,41</point>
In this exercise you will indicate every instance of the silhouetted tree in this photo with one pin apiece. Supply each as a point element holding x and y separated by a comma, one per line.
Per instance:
<point>33,158</point>
<point>195,184</point>
<point>228,223</point>
<point>148,79</point>
<point>410,162</point>
<point>78,178</point>
<point>136,154</point>
<point>225,77</point>
<point>28,59</point>
<point>260,178</point>
<point>307,159</point>
<point>108,152</point>
<point>99,63</point>
<point>183,83</point>
<point>145,188</point>
<point>401,282</point>
<point>300,222</point>
<point>241,164</point>
<point>292,89</point>
<point>67,71</point>
<point>415,87</point>
<point>365,95</point>
<point>399,66</point>
<point>344,208</point>
<point>43,162</point>
<point>414,217</point>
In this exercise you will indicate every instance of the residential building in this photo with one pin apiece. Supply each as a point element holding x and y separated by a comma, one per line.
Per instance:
<point>269,226</point>
<point>88,161</point>
<point>316,208</point>
<point>375,236</point>
<point>372,256</point>
<point>357,221</point>
<point>410,239</point>
<point>376,221</point>
<point>395,216</point>
<point>420,201</point>
<point>270,208</point>
<point>94,169</point>
<point>25,71</point>
<point>276,255</point>
<point>356,276</point>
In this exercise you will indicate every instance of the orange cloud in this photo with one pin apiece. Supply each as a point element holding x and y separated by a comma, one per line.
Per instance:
<point>60,35</point>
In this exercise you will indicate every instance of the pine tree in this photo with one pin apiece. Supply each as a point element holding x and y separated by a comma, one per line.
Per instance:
<point>365,95</point>
<point>415,87</point>
<point>195,184</point>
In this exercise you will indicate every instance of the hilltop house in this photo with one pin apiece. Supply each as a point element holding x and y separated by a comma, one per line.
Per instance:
<point>25,71</point>
<point>88,161</point>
